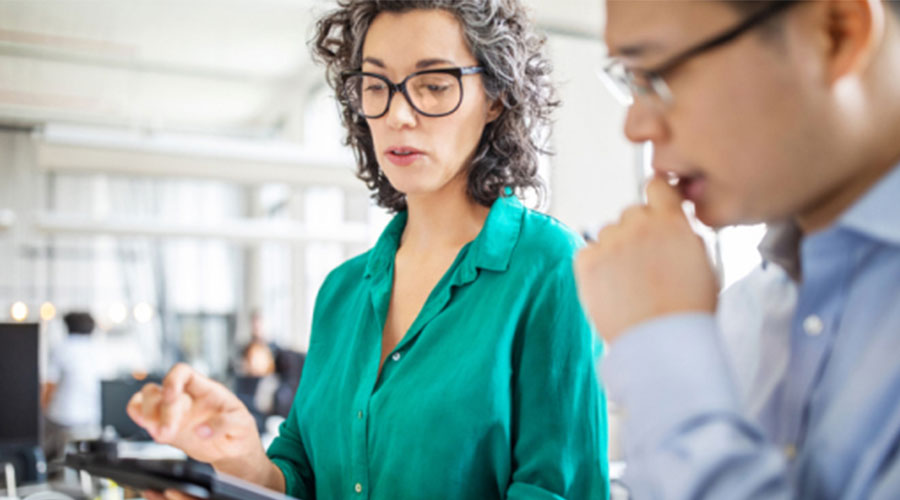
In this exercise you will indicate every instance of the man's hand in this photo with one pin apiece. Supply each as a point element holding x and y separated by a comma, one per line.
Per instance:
<point>206,421</point>
<point>647,265</point>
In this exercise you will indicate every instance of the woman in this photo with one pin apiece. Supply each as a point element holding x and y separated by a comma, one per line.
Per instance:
<point>452,360</point>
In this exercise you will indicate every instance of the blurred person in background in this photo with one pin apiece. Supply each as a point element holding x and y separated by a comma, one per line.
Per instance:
<point>276,393</point>
<point>258,356</point>
<point>453,359</point>
<point>71,393</point>
<point>788,386</point>
<point>256,379</point>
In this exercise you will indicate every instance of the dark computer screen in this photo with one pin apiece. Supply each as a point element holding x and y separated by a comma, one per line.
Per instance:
<point>114,395</point>
<point>19,385</point>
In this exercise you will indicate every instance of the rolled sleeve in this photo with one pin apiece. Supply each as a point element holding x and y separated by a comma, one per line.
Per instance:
<point>560,443</point>
<point>288,453</point>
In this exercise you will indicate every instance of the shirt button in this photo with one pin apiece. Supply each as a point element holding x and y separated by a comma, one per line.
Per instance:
<point>813,325</point>
<point>396,356</point>
<point>359,415</point>
<point>790,451</point>
<point>358,488</point>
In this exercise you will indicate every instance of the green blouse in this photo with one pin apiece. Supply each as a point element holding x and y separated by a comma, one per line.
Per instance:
<point>490,394</point>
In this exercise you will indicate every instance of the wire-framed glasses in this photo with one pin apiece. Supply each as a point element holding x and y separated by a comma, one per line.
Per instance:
<point>628,83</point>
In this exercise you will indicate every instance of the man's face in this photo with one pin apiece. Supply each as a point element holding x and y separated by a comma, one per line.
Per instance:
<point>743,131</point>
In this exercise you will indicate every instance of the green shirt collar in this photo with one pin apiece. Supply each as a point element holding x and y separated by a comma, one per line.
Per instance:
<point>490,250</point>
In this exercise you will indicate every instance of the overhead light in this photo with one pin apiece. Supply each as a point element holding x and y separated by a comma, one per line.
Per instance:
<point>117,313</point>
<point>143,313</point>
<point>19,311</point>
<point>48,311</point>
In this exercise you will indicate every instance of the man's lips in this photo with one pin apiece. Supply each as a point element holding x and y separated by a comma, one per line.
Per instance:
<point>690,185</point>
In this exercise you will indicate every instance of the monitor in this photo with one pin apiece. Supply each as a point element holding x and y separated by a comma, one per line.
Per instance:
<point>19,385</point>
<point>114,397</point>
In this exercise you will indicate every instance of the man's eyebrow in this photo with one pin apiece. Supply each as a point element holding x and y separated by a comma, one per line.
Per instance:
<point>635,50</point>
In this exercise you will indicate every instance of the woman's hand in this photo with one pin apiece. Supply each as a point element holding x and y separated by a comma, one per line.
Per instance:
<point>167,495</point>
<point>206,421</point>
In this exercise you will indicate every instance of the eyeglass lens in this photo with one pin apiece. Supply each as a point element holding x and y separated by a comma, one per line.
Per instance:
<point>429,93</point>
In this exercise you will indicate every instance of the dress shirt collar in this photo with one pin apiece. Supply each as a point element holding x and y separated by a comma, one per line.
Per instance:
<point>491,249</point>
<point>875,215</point>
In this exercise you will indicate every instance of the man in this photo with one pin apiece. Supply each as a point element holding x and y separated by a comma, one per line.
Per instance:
<point>72,391</point>
<point>789,385</point>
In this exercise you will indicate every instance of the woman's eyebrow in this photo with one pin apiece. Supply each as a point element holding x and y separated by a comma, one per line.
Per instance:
<point>422,64</point>
<point>372,60</point>
<point>426,63</point>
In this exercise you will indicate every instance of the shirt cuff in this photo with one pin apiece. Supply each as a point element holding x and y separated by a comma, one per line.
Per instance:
<point>667,371</point>
<point>291,478</point>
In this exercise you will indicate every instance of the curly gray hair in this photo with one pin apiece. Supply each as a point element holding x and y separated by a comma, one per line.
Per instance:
<point>500,36</point>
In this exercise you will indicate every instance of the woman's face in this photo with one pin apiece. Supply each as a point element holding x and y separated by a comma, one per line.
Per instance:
<point>423,155</point>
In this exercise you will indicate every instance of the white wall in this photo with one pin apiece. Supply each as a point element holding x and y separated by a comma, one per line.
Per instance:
<point>593,175</point>
<point>20,194</point>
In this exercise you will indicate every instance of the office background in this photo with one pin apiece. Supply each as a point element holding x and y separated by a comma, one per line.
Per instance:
<point>175,166</point>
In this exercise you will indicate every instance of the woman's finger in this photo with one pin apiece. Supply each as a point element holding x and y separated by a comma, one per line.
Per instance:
<point>153,495</point>
<point>151,395</point>
<point>177,495</point>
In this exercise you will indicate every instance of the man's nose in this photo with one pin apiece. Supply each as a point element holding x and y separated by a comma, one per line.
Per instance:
<point>645,121</point>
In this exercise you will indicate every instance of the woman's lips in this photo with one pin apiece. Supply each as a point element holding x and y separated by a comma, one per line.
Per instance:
<point>403,156</point>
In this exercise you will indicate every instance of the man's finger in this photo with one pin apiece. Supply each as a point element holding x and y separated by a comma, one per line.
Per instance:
<point>605,234</point>
<point>662,196</point>
<point>631,213</point>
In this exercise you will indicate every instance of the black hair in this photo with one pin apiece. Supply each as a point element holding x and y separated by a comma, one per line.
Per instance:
<point>79,323</point>
<point>751,6</point>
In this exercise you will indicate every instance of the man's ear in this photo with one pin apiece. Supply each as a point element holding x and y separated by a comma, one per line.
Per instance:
<point>853,29</point>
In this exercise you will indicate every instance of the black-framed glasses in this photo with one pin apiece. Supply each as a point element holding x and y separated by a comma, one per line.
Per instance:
<point>627,83</point>
<point>432,92</point>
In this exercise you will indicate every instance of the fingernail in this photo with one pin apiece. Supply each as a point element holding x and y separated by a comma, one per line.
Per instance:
<point>204,431</point>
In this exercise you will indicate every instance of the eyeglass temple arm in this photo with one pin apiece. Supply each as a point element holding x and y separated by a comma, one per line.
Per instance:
<point>728,36</point>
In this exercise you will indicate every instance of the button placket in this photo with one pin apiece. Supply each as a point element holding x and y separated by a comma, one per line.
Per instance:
<point>813,325</point>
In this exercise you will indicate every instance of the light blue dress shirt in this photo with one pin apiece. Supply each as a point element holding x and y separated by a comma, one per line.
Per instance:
<point>793,390</point>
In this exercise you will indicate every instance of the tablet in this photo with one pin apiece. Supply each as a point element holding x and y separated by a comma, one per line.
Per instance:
<point>188,476</point>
